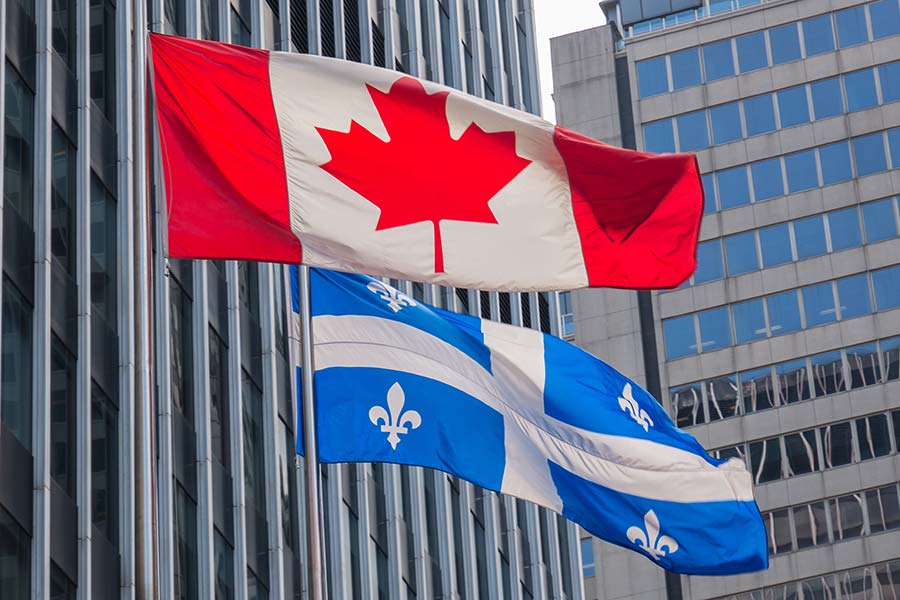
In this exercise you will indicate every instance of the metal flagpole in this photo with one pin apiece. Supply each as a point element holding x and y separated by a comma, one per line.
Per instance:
<point>316,555</point>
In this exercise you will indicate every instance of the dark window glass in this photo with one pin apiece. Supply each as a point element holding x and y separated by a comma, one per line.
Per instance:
<point>818,36</point>
<point>692,131</point>
<point>726,123</point>
<point>15,369</point>
<point>895,419</point>
<point>767,179</point>
<point>738,452</point>
<point>740,253</point>
<point>884,510</point>
<point>828,373</point>
<point>685,68</point>
<point>240,33</point>
<point>793,383</point>
<point>718,60</point>
<point>890,356</point>
<point>847,516</point>
<point>860,88</point>
<point>722,397</point>
<point>879,220</point>
<point>885,15</point>
<point>778,531</point>
<point>733,188</point>
<point>254,465</point>
<point>709,194</point>
<point>715,329</point>
<point>835,161</point>
<point>851,26</point>
<point>749,321</point>
<point>687,405</point>
<point>185,563</point>
<point>103,56</point>
<point>181,358</point>
<point>680,337</point>
<point>868,151</point>
<point>709,261</point>
<point>894,146</point>
<point>62,416</point>
<point>218,398</point>
<point>751,51</point>
<point>853,296</point>
<point>209,20</point>
<point>810,236</point>
<point>104,464</point>
<point>865,368</point>
<point>62,205</point>
<point>784,312</point>
<point>61,587</point>
<point>765,460</point>
<point>837,445</point>
<point>801,171</point>
<point>793,107</point>
<point>886,284</point>
<point>810,525</point>
<point>18,147</point>
<point>64,20</point>
<point>802,452</point>
<point>874,438</point>
<point>652,77</point>
<point>785,43</point>
<point>173,12</point>
<point>224,567</point>
<point>818,304</point>
<point>889,76</point>
<point>827,98</point>
<point>104,257</point>
<point>15,556</point>
<point>659,136</point>
<point>844,228</point>
<point>775,243</point>
<point>759,114</point>
<point>757,390</point>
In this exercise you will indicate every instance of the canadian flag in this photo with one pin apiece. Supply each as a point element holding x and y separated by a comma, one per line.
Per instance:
<point>284,157</point>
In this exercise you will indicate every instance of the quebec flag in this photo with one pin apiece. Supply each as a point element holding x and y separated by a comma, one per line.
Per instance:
<point>526,414</point>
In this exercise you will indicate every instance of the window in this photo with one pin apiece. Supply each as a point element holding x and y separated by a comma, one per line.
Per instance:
<point>104,255</point>
<point>818,36</point>
<point>759,113</point>
<point>868,152</point>
<point>873,436</point>
<point>15,393</point>
<point>785,43</point>
<point>810,526</point>
<point>740,253</point>
<point>718,60</point>
<point>749,321</point>
<point>751,52</point>
<point>775,243</point>
<point>835,160</point>
<point>685,68</point>
<point>793,385</point>
<point>793,107</point>
<point>810,236</point>
<point>181,359</point>
<point>218,398</point>
<point>801,171</point>
<point>687,405</point>
<point>62,201</point>
<point>818,304</point>
<point>894,145</point>
<point>860,87</point>
<point>709,261</point>
<point>659,136</point>
<point>692,131</point>
<point>767,180</point>
<point>18,147</point>
<point>844,228</point>
<point>223,557</point>
<point>757,390</point>
<point>888,75</point>
<point>679,336</point>
<point>209,21</point>
<point>886,284</point>
<point>837,445</point>
<point>240,33</point>
<point>778,531</point>
<point>254,464</point>
<point>879,220</point>
<point>828,373</point>
<point>890,356</point>
<point>853,296</point>
<point>185,562</point>
<point>104,464</point>
<point>709,194</point>
<point>722,397</point>
<point>884,509</point>
<point>15,555</point>
<point>61,587</point>
<point>864,366</point>
<point>715,329</point>
<point>733,188</point>
<point>851,26</point>
<point>652,77</point>
<point>847,516</point>
<point>765,461</point>
<point>827,98</point>
<point>802,452</point>
<point>885,16</point>
<point>587,557</point>
<point>726,123</point>
<point>784,312</point>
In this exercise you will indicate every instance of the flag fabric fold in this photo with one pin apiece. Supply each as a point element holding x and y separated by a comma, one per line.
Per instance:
<point>295,158</point>
<point>526,414</point>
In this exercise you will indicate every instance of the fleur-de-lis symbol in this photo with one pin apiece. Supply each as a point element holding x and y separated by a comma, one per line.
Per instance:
<point>394,297</point>
<point>631,406</point>
<point>395,423</point>
<point>649,540</point>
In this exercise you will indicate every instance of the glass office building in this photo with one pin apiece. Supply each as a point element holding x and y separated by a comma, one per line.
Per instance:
<point>229,518</point>
<point>783,349</point>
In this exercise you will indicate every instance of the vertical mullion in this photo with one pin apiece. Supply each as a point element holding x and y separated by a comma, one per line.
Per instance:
<point>443,498</point>
<point>368,568</point>
<point>338,548</point>
<point>467,529</point>
<point>393,511</point>
<point>573,538</point>
<point>493,529</point>
<point>419,523</point>
<point>514,544</point>
<point>202,415</point>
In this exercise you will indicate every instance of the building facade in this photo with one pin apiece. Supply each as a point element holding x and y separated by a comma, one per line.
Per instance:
<point>227,510</point>
<point>783,348</point>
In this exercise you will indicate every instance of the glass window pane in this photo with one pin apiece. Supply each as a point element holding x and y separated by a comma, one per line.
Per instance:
<point>879,220</point>
<point>793,107</point>
<point>692,131</point>
<point>847,517</point>
<point>801,450</point>
<point>751,51</point>
<point>868,150</point>
<point>828,373</point>
<point>726,123</point>
<point>749,321</point>
<point>18,148</point>
<point>709,194</point>
<point>884,511</point>
<point>715,329</point>
<point>679,337</point>
<point>784,312</point>
<point>874,438</point>
<point>860,88</point>
<point>659,136</point>
<point>827,98</point>
<point>851,26</point>
<point>853,296</point>
<point>793,382</point>
<point>757,390</point>
<point>733,188</point>
<point>818,304</point>
<point>837,445</point>
<point>889,76</point>
<point>775,243</point>
<point>740,253</point>
<point>890,358</point>
<point>811,526</point>
<point>709,262</point>
<point>886,283</point>
<point>587,557</point>
<point>835,161</point>
<point>785,43</point>
<point>652,77</point>
<point>844,228</point>
<point>818,36</point>
<point>810,236</point>
<point>718,60</point>
<point>759,114</point>
<point>767,181</point>
<point>15,367</point>
<point>685,68</point>
<point>722,397</point>
<point>885,15</point>
<point>765,460</point>
<point>801,171</point>
<point>865,368</point>
<point>894,147</point>
<point>778,531</point>
<point>62,416</point>
<point>687,404</point>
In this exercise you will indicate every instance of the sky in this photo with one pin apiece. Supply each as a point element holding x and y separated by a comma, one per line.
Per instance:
<point>553,18</point>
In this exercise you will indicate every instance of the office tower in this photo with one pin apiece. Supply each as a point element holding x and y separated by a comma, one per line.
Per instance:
<point>228,502</point>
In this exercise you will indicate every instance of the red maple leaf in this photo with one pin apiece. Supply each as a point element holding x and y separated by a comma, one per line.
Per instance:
<point>422,174</point>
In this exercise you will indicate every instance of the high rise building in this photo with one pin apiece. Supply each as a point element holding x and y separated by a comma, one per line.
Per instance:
<point>228,506</point>
<point>783,349</point>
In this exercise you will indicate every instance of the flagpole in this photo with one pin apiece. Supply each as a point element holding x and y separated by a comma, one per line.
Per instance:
<point>316,555</point>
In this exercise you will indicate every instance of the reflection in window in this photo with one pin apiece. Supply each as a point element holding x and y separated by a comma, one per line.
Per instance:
<point>810,525</point>
<point>659,136</point>
<point>857,584</point>
<point>740,253</point>
<point>685,68</point>
<point>15,556</point>
<point>652,77</point>
<point>62,205</point>
<point>18,147</point>
<point>883,509</point>
<point>793,385</point>
<point>224,567</point>
<point>709,262</point>
<point>889,76</point>
<point>793,107</point>
<point>818,36</point>
<point>679,337</point>
<point>104,464</point>
<point>890,357</point>
<point>778,530</point>
<point>785,43</point>
<point>775,243</point>
<point>828,373</point>
<point>873,436</point>
<point>860,86</point>
<point>749,320</point>
<point>62,416</point>
<point>885,15</point>
<point>853,296</point>
<point>879,220</point>
<point>828,101</point>
<point>692,131</point>
<point>185,562</point>
<point>726,123</point>
<point>818,304</point>
<point>709,194</point>
<point>15,368</point>
<point>715,329</point>
<point>767,181</point>
<point>587,557</point>
<point>810,236</point>
<point>757,390</point>
<point>844,228</point>
<point>104,255</point>
<point>864,366</point>
<point>765,460</point>
<point>868,154</point>
<point>218,398</point>
<point>802,452</point>
<point>181,359</point>
<point>801,171</point>
<point>687,405</point>
<point>835,161</point>
<point>851,26</point>
<point>759,114</point>
<point>733,188</point>
<point>784,312</point>
<point>718,60</point>
<point>751,51</point>
<point>837,445</point>
<point>886,284</point>
<point>722,397</point>
<point>847,516</point>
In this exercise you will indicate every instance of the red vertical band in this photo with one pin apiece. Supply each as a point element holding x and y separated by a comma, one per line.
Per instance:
<point>226,191</point>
